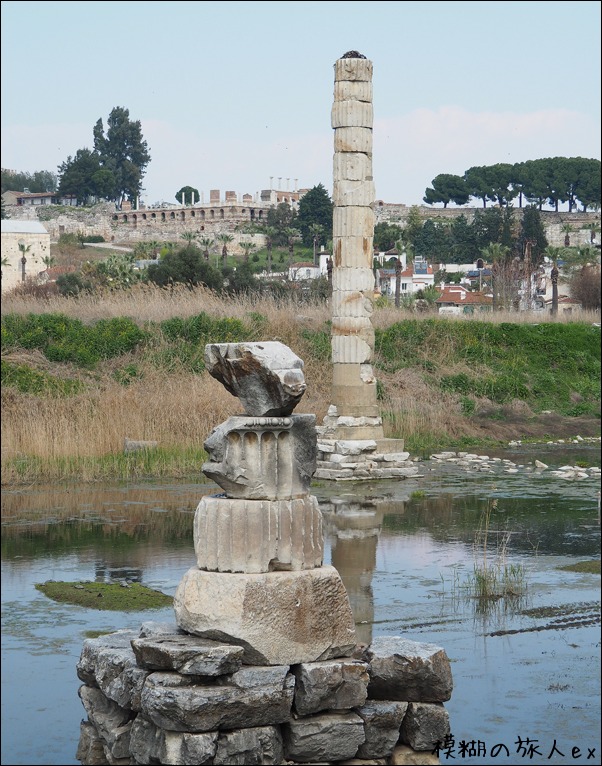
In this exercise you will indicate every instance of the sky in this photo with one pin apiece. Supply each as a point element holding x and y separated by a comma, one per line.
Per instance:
<point>237,96</point>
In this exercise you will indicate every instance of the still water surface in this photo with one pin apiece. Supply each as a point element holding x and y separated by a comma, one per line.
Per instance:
<point>527,669</point>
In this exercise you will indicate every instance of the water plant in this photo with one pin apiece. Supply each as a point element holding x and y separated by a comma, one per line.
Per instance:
<point>493,577</point>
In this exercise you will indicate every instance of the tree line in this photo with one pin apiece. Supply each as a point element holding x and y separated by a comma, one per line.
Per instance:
<point>553,180</point>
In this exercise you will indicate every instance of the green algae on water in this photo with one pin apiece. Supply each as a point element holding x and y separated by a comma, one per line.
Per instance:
<point>118,597</point>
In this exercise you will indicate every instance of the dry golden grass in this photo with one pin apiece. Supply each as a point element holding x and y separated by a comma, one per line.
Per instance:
<point>178,410</point>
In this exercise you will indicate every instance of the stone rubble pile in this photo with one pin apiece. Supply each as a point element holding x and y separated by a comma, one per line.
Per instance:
<point>263,665</point>
<point>492,465</point>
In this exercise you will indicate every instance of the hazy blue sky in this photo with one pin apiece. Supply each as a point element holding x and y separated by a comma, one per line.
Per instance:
<point>231,93</point>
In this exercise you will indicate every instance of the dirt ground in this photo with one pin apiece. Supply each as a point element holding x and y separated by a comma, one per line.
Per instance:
<point>538,427</point>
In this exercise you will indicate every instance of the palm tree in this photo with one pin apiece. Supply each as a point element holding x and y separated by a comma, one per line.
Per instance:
<point>567,230</point>
<point>24,249</point>
<point>316,230</point>
<point>225,239</point>
<point>270,233</point>
<point>594,228</point>
<point>49,261</point>
<point>189,236</point>
<point>4,262</point>
<point>206,243</point>
<point>247,247</point>
<point>292,235</point>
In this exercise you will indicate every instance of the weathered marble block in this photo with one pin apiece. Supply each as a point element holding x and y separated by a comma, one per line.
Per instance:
<point>254,536</point>
<point>353,192</point>
<point>355,253</point>
<point>267,377</point>
<point>353,69</point>
<point>278,618</point>
<point>263,458</point>
<point>353,140</point>
<point>348,90</point>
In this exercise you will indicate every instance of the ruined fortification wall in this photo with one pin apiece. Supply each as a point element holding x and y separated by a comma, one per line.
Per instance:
<point>168,224</point>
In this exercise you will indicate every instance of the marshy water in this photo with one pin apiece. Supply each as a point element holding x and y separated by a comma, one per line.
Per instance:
<point>526,667</point>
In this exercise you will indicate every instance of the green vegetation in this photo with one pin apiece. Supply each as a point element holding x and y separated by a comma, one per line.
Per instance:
<point>29,381</point>
<point>75,386</point>
<point>62,339</point>
<point>547,366</point>
<point>116,597</point>
<point>493,578</point>
<point>590,567</point>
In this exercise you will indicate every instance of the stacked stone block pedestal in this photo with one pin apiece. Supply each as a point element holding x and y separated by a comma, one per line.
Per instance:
<point>161,696</point>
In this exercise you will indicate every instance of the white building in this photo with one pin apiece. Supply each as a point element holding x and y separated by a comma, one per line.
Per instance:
<point>25,244</point>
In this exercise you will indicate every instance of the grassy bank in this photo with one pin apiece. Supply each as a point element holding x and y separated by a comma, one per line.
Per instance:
<point>81,375</point>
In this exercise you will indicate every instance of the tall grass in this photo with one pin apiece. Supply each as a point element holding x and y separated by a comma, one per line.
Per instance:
<point>161,393</point>
<point>493,577</point>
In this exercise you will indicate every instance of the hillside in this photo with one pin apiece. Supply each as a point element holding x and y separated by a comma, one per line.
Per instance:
<point>80,376</point>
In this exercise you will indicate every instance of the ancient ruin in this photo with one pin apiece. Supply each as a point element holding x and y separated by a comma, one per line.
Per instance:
<point>352,443</point>
<point>262,664</point>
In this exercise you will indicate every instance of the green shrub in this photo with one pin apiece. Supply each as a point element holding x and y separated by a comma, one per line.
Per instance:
<point>62,339</point>
<point>29,381</point>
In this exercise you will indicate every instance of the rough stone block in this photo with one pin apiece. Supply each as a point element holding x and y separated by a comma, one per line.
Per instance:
<point>107,716</point>
<point>332,685</point>
<point>382,721</point>
<point>189,655</point>
<point>324,737</point>
<point>263,697</point>
<point>405,756</point>
<point>261,745</point>
<point>425,724</point>
<point>279,617</point>
<point>109,663</point>
<point>408,670</point>
<point>151,744</point>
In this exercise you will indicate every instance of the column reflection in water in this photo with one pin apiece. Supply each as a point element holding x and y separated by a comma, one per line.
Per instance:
<point>353,525</point>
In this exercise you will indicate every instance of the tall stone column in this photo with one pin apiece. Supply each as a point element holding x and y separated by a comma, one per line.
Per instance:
<point>354,384</point>
<point>352,443</point>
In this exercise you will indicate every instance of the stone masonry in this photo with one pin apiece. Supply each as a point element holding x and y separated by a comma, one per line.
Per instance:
<point>262,665</point>
<point>351,440</point>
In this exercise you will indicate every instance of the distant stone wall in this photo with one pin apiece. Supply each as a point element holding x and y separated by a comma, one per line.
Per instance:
<point>168,224</point>
<point>38,245</point>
